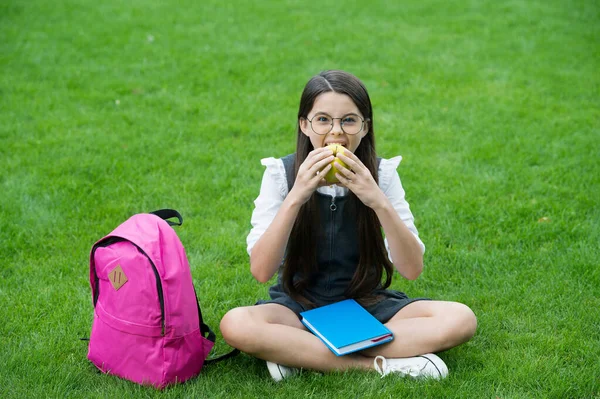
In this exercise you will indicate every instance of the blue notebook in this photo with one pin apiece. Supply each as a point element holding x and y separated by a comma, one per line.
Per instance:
<point>346,327</point>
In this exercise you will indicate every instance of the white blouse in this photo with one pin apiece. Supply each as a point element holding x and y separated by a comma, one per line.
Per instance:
<point>273,191</point>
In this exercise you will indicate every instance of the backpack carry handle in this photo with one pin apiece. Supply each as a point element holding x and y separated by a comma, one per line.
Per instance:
<point>165,214</point>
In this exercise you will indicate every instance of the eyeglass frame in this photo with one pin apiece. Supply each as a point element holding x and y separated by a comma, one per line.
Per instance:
<point>363,120</point>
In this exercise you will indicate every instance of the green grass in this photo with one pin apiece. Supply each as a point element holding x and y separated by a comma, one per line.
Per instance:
<point>113,108</point>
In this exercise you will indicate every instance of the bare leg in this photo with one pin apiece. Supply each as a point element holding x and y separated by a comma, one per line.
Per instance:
<point>273,332</point>
<point>427,327</point>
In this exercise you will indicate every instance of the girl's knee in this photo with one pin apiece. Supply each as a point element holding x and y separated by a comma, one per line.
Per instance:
<point>465,321</point>
<point>458,325</point>
<point>235,326</point>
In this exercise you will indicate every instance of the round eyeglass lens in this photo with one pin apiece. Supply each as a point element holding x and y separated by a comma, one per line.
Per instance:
<point>322,124</point>
<point>352,124</point>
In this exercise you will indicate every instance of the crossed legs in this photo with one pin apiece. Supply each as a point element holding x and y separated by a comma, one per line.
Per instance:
<point>273,332</point>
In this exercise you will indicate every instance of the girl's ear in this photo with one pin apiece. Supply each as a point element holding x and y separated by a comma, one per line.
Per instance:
<point>303,123</point>
<point>366,129</point>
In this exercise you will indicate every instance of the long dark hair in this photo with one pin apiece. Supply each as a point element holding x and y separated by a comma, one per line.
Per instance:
<point>301,257</point>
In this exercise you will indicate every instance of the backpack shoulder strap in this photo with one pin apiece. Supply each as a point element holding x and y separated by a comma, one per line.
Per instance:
<point>209,334</point>
<point>233,353</point>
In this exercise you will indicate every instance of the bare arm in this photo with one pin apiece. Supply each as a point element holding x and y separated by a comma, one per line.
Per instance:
<point>407,255</point>
<point>268,252</point>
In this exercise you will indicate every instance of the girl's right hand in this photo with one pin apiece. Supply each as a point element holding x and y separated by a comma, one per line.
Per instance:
<point>311,173</point>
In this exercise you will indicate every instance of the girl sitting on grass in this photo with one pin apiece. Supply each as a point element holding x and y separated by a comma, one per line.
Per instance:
<point>325,242</point>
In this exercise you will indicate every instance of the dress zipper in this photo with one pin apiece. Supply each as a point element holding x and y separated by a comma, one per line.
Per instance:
<point>332,208</point>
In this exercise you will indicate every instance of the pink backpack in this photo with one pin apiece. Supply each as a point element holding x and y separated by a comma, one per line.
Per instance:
<point>147,324</point>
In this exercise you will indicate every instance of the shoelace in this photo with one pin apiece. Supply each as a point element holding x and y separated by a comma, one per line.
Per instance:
<point>409,369</point>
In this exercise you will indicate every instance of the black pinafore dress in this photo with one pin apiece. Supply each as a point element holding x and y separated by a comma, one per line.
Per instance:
<point>337,256</point>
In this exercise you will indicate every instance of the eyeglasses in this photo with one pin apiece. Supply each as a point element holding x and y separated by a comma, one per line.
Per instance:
<point>322,123</point>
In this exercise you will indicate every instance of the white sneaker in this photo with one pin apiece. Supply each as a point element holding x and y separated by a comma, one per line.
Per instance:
<point>279,372</point>
<point>424,366</point>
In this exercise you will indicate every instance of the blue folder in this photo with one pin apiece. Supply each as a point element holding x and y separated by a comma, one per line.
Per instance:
<point>346,327</point>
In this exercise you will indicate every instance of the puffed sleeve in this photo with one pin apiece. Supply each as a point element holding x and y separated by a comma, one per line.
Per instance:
<point>390,184</point>
<point>273,191</point>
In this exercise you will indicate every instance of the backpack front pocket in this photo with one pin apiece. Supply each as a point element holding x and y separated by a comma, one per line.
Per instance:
<point>129,289</point>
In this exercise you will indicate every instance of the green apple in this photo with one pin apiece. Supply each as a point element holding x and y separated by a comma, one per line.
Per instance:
<point>330,176</point>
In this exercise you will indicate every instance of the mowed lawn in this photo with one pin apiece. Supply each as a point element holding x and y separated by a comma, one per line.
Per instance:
<point>111,108</point>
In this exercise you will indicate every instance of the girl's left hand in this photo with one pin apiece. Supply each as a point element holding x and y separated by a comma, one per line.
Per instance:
<point>358,179</point>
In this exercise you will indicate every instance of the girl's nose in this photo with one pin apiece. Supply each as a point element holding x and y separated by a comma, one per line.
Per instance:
<point>337,127</point>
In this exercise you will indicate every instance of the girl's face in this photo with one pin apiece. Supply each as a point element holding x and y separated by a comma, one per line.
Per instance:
<point>334,105</point>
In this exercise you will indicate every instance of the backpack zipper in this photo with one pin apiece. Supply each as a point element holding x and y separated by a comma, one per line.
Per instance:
<point>159,289</point>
